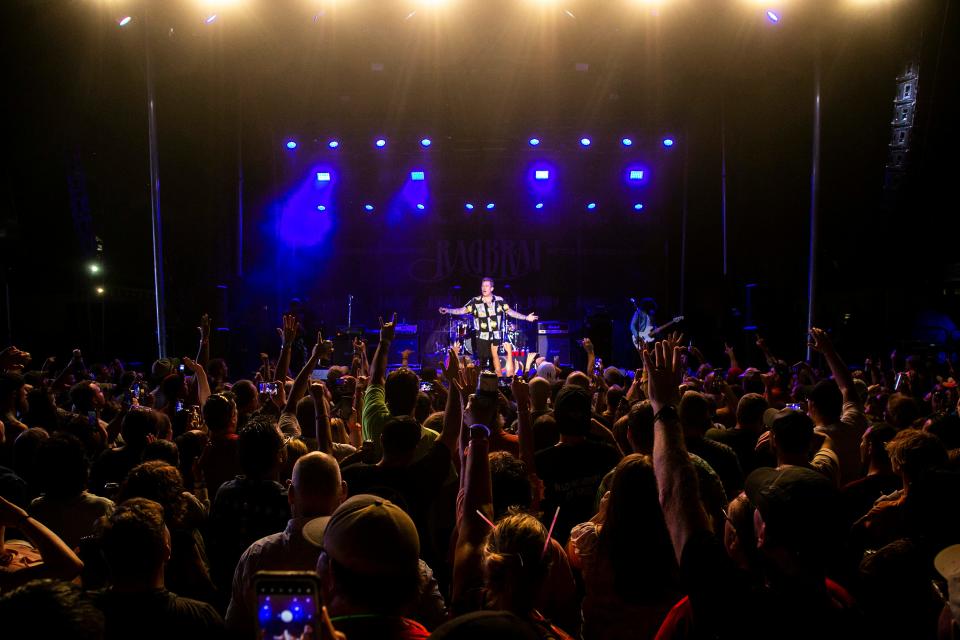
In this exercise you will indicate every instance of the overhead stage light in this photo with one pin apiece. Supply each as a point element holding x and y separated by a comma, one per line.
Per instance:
<point>638,206</point>
<point>627,142</point>
<point>539,205</point>
<point>291,144</point>
<point>321,207</point>
<point>426,142</point>
<point>210,19</point>
<point>585,142</point>
<point>591,206</point>
<point>124,21</point>
<point>421,206</point>
<point>418,176</point>
<point>773,17</point>
<point>333,144</point>
<point>381,143</point>
<point>368,207</point>
<point>468,206</point>
<point>541,174</point>
<point>534,142</point>
<point>323,176</point>
<point>636,174</point>
<point>490,205</point>
<point>668,142</point>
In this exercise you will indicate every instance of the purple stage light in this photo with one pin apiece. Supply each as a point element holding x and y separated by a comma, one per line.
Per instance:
<point>636,174</point>
<point>627,142</point>
<point>539,205</point>
<point>291,144</point>
<point>468,206</point>
<point>368,207</point>
<point>418,176</point>
<point>668,142</point>
<point>490,206</point>
<point>638,206</point>
<point>323,176</point>
<point>541,174</point>
<point>381,143</point>
<point>421,206</point>
<point>426,142</point>
<point>333,144</point>
<point>534,142</point>
<point>585,142</point>
<point>591,206</point>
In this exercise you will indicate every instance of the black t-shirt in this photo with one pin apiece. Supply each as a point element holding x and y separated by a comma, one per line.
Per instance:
<point>243,511</point>
<point>156,614</point>
<point>743,444</point>
<point>417,488</point>
<point>722,459</point>
<point>858,496</point>
<point>571,475</point>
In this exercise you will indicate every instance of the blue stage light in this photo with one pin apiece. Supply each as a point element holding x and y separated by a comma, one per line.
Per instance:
<point>627,142</point>
<point>333,144</point>
<point>321,207</point>
<point>468,206</point>
<point>368,207</point>
<point>636,174</point>
<point>541,174</point>
<point>773,17</point>
<point>381,143</point>
<point>490,205</point>
<point>421,206</point>
<point>591,205</point>
<point>291,144</point>
<point>534,142</point>
<point>638,206</point>
<point>539,205</point>
<point>323,176</point>
<point>426,142</point>
<point>418,176</point>
<point>585,142</point>
<point>668,142</point>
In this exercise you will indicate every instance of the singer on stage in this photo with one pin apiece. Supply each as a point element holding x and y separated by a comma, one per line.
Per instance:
<point>489,323</point>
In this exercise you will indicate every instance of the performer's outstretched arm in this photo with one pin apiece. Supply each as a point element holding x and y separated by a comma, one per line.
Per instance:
<point>459,311</point>
<point>530,317</point>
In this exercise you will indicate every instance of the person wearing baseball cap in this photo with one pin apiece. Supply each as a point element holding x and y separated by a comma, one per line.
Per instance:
<point>369,568</point>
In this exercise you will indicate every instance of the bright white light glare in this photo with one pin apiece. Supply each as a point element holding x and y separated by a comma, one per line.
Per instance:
<point>591,205</point>
<point>418,176</point>
<point>539,205</point>
<point>333,144</point>
<point>433,3</point>
<point>490,205</point>
<point>368,207</point>
<point>381,143</point>
<point>124,21</point>
<point>534,142</point>
<point>627,142</point>
<point>94,268</point>
<point>321,207</point>
<point>638,206</point>
<point>469,206</point>
<point>210,19</point>
<point>291,144</point>
<point>668,142</point>
<point>773,16</point>
<point>542,174</point>
<point>585,142</point>
<point>323,176</point>
<point>426,142</point>
<point>636,174</point>
<point>100,291</point>
<point>421,206</point>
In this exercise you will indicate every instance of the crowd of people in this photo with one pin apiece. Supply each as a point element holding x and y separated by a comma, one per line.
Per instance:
<point>682,500</point>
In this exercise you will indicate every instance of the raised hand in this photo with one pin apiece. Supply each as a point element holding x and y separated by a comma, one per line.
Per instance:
<point>388,329</point>
<point>204,327</point>
<point>12,358</point>
<point>820,341</point>
<point>663,372</point>
<point>452,369</point>
<point>587,345</point>
<point>322,349</point>
<point>521,391</point>
<point>532,317</point>
<point>288,333</point>
<point>443,310</point>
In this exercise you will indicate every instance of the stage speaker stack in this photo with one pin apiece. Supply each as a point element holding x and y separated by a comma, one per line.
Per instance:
<point>405,338</point>
<point>553,339</point>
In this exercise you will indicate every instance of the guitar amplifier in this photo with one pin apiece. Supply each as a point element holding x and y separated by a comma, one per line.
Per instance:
<point>406,330</point>
<point>553,340</point>
<point>552,328</point>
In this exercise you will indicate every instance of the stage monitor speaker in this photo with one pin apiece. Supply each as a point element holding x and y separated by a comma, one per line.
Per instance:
<point>551,345</point>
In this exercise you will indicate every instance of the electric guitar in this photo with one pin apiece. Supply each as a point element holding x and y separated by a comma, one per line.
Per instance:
<point>641,338</point>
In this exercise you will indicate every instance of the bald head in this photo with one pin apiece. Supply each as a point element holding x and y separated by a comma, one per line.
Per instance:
<point>539,393</point>
<point>578,378</point>
<point>316,488</point>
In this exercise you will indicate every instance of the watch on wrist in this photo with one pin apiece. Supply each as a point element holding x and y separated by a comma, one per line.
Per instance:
<point>667,413</point>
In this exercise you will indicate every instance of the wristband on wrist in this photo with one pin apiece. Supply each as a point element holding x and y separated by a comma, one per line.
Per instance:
<point>485,428</point>
<point>667,413</point>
